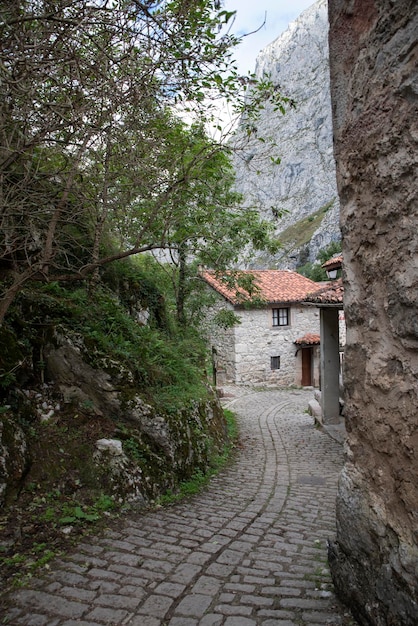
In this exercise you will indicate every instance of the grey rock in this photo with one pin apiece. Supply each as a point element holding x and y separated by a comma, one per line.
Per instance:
<point>112,446</point>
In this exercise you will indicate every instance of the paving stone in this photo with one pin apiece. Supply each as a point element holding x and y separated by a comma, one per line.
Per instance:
<point>256,601</point>
<point>107,615</point>
<point>281,591</point>
<point>103,573</point>
<point>50,603</point>
<point>34,620</point>
<point>240,587</point>
<point>211,620</point>
<point>185,573</point>
<point>303,603</point>
<point>199,558</point>
<point>239,621</point>
<point>321,618</point>
<point>230,557</point>
<point>280,622</point>
<point>277,614</point>
<point>173,590</point>
<point>236,609</point>
<point>207,586</point>
<point>75,593</point>
<point>194,605</point>
<point>117,601</point>
<point>258,580</point>
<point>90,548</point>
<point>227,598</point>
<point>144,620</point>
<point>104,586</point>
<point>219,570</point>
<point>72,622</point>
<point>156,606</point>
<point>87,560</point>
<point>124,558</point>
<point>69,578</point>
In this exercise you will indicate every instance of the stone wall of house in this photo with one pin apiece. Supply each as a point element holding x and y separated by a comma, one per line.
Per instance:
<point>374,89</point>
<point>256,341</point>
<point>242,353</point>
<point>222,343</point>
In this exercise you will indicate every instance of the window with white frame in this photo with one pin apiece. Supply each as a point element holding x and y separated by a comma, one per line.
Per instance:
<point>281,317</point>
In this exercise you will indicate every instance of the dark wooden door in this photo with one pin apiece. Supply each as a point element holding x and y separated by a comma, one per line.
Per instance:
<point>306,367</point>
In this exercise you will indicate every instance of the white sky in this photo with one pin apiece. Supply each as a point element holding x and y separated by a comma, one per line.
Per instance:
<point>250,15</point>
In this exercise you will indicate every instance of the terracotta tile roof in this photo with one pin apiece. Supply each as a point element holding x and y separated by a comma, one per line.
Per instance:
<point>275,286</point>
<point>310,339</point>
<point>334,262</point>
<point>331,293</point>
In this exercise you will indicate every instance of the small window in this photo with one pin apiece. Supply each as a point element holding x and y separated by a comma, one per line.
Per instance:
<point>280,317</point>
<point>275,362</point>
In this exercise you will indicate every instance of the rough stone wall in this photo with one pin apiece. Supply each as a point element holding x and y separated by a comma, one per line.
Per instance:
<point>223,340</point>
<point>374,89</point>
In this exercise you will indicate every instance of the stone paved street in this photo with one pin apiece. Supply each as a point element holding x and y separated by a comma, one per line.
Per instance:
<point>250,550</point>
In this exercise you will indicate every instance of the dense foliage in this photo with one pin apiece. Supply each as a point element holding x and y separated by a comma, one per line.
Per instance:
<point>163,363</point>
<point>95,162</point>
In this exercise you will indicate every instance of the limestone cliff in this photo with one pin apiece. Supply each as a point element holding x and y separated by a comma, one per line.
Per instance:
<point>304,183</point>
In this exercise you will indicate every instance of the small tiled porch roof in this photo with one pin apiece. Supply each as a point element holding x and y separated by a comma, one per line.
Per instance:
<point>334,263</point>
<point>330,294</point>
<point>274,286</point>
<point>310,339</point>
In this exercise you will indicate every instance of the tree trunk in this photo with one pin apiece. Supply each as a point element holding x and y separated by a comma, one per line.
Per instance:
<point>181,291</point>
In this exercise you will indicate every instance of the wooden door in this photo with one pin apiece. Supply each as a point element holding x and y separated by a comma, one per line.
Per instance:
<point>306,367</point>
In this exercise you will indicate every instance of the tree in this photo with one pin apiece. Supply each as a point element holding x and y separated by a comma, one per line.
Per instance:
<point>88,136</point>
<point>208,224</point>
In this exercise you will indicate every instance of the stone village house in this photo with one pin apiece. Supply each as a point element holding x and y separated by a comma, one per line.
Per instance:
<point>276,342</point>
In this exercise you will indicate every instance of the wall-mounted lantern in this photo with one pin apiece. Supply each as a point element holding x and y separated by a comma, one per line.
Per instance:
<point>332,266</point>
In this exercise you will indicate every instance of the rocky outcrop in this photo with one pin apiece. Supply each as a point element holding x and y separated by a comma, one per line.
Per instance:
<point>14,456</point>
<point>118,443</point>
<point>304,184</point>
<point>374,85</point>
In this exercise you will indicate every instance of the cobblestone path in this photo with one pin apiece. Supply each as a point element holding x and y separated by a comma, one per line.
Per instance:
<point>250,550</point>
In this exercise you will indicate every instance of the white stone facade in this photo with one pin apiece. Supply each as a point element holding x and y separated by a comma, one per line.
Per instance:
<point>242,354</point>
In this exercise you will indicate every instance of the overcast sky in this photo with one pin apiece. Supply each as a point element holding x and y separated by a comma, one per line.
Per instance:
<point>251,14</point>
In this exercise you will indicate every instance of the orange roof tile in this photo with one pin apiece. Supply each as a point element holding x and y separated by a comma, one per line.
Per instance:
<point>275,286</point>
<point>310,339</point>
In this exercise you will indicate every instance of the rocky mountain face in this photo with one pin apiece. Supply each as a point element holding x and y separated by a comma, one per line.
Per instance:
<point>304,183</point>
